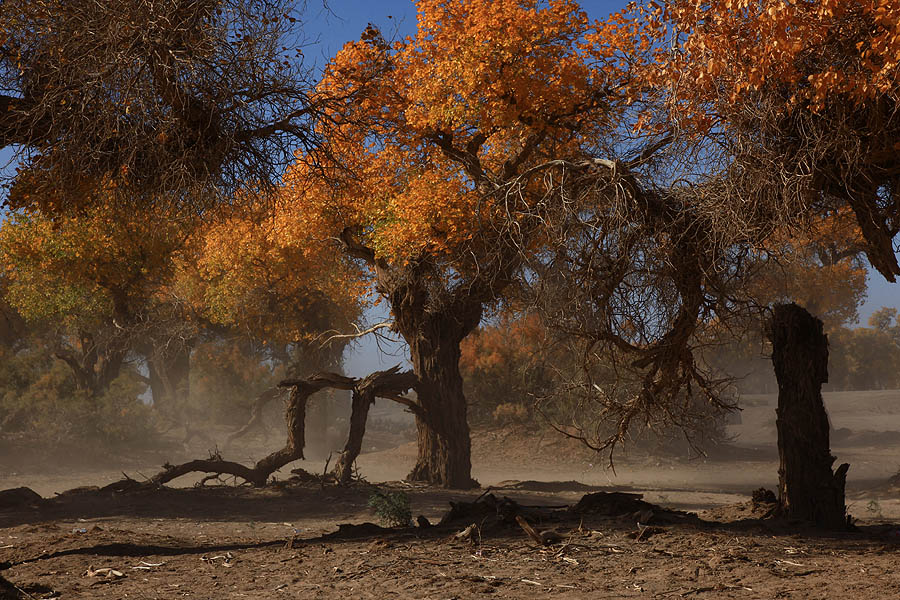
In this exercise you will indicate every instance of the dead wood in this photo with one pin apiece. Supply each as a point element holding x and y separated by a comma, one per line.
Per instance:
<point>528,529</point>
<point>630,506</point>
<point>808,489</point>
<point>389,384</point>
<point>18,497</point>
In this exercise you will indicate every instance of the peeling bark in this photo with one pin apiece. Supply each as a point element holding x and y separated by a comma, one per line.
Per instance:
<point>444,446</point>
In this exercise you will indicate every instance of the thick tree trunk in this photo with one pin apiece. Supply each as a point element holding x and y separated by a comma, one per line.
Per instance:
<point>807,487</point>
<point>445,453</point>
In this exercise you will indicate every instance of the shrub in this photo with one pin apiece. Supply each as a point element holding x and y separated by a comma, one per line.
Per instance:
<point>508,413</point>
<point>391,507</point>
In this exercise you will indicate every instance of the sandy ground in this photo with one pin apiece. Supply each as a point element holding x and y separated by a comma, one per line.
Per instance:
<point>231,542</point>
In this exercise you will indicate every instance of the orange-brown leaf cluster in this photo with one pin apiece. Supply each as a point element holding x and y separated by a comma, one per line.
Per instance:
<point>808,52</point>
<point>433,124</point>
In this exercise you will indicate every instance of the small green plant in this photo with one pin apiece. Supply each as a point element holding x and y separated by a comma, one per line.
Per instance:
<point>391,507</point>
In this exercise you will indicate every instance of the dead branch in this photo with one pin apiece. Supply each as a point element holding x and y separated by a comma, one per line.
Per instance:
<point>359,332</point>
<point>390,383</point>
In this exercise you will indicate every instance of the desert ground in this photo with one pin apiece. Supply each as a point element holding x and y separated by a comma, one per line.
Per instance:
<point>654,527</point>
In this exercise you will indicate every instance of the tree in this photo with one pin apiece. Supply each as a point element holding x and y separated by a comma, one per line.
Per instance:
<point>506,367</point>
<point>799,102</point>
<point>807,487</point>
<point>97,280</point>
<point>273,292</point>
<point>801,97</point>
<point>178,99</point>
<point>821,269</point>
<point>422,168</point>
<point>254,272</point>
<point>866,358</point>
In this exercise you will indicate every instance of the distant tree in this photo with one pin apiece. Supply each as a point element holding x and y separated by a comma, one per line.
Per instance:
<point>97,281</point>
<point>506,368</point>
<point>867,358</point>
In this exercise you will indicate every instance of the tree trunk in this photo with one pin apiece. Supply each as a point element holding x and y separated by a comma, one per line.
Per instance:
<point>807,488</point>
<point>445,453</point>
<point>391,384</point>
<point>169,376</point>
<point>359,413</point>
<point>295,415</point>
<point>295,419</point>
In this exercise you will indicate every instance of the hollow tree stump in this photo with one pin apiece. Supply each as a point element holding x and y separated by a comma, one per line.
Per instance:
<point>807,487</point>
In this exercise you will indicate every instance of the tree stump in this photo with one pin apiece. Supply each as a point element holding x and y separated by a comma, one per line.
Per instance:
<point>807,487</point>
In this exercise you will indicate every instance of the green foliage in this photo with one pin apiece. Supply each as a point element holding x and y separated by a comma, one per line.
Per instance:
<point>391,507</point>
<point>38,396</point>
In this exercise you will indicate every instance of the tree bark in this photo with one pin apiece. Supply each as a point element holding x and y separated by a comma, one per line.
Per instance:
<point>359,413</point>
<point>445,453</point>
<point>807,487</point>
<point>391,384</point>
<point>295,415</point>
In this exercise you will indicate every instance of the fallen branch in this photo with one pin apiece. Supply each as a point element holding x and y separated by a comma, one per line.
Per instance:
<point>389,384</point>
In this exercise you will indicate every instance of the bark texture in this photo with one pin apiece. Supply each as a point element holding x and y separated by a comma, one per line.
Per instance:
<point>295,415</point>
<point>390,384</point>
<point>807,487</point>
<point>444,446</point>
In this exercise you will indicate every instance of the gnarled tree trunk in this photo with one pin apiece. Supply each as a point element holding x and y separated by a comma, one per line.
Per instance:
<point>807,488</point>
<point>390,384</point>
<point>445,454</point>
<point>359,414</point>
<point>295,415</point>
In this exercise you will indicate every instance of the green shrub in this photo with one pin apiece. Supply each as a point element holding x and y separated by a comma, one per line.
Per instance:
<point>391,507</point>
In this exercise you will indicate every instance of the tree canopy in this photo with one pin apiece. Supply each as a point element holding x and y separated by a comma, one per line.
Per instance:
<point>179,99</point>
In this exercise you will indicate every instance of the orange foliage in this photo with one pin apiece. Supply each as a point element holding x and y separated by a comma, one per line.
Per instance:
<point>506,365</point>
<point>104,261</point>
<point>264,275</point>
<point>813,51</point>
<point>822,270</point>
<point>435,123</point>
